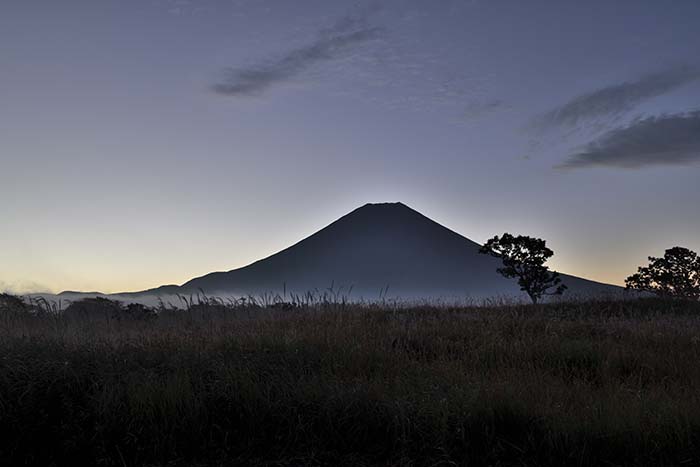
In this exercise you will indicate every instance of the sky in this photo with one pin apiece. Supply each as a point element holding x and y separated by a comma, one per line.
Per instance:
<point>146,142</point>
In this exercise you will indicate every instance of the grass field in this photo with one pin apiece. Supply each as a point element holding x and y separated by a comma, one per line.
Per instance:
<point>596,383</point>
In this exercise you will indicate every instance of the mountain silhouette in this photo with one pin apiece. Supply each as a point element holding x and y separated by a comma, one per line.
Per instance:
<point>375,247</point>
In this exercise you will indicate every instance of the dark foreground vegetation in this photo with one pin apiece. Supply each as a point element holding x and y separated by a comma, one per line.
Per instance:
<point>598,383</point>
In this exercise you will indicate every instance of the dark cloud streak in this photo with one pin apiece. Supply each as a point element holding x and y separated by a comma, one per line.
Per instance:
<point>652,141</point>
<point>612,101</point>
<point>329,44</point>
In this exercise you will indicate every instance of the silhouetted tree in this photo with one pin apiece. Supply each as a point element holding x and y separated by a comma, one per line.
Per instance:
<point>523,258</point>
<point>9,302</point>
<point>677,274</point>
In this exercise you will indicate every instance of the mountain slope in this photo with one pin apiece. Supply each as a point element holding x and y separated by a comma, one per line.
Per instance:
<point>374,247</point>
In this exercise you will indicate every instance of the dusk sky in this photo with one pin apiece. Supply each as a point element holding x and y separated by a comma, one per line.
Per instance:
<point>146,142</point>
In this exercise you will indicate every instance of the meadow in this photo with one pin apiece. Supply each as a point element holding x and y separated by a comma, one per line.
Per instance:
<point>333,383</point>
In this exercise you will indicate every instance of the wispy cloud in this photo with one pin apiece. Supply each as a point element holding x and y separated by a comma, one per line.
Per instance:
<point>329,44</point>
<point>652,141</point>
<point>20,287</point>
<point>612,101</point>
<point>479,108</point>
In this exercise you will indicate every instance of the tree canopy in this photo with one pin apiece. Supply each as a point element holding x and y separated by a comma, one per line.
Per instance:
<point>523,258</point>
<point>677,274</point>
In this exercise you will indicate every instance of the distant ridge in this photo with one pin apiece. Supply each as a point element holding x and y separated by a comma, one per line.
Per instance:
<point>375,247</point>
